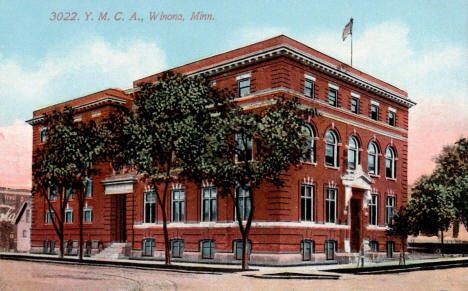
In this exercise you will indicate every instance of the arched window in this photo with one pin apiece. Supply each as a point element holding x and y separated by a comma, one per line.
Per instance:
<point>373,158</point>
<point>390,163</point>
<point>331,150</point>
<point>309,151</point>
<point>353,152</point>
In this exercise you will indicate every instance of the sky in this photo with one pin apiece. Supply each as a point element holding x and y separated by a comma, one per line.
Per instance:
<point>419,46</point>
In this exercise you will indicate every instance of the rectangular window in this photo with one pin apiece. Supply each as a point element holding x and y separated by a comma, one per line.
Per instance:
<point>374,245</point>
<point>373,209</point>
<point>147,247</point>
<point>243,200</point>
<point>69,193</point>
<point>309,88</point>
<point>307,202</point>
<point>244,148</point>
<point>208,203</point>
<point>375,111</point>
<point>330,247</point>
<point>69,215</point>
<point>177,247</point>
<point>88,187</point>
<point>389,209</point>
<point>355,105</point>
<point>53,192</point>
<point>390,248</point>
<point>243,87</point>
<point>150,206</point>
<point>208,249</point>
<point>238,248</point>
<point>49,216</point>
<point>391,118</point>
<point>332,97</point>
<point>43,134</point>
<point>307,248</point>
<point>331,205</point>
<point>178,205</point>
<point>88,214</point>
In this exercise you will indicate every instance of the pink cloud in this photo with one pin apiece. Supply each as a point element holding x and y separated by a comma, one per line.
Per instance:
<point>433,124</point>
<point>16,155</point>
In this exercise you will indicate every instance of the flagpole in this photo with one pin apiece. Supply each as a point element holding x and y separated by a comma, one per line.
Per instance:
<point>351,32</point>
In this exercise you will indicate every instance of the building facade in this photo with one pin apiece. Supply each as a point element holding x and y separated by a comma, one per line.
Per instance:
<point>15,219</point>
<point>337,201</point>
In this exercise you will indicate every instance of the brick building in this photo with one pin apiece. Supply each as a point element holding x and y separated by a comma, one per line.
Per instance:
<point>339,200</point>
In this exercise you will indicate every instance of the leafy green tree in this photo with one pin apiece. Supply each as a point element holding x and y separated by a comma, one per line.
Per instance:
<point>452,166</point>
<point>251,147</point>
<point>167,132</point>
<point>65,161</point>
<point>401,227</point>
<point>431,206</point>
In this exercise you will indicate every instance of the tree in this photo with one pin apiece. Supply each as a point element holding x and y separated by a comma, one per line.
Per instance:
<point>249,148</point>
<point>165,136</point>
<point>64,162</point>
<point>431,206</point>
<point>401,227</point>
<point>452,165</point>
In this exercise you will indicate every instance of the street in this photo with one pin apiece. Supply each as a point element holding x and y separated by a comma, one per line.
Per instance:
<point>21,275</point>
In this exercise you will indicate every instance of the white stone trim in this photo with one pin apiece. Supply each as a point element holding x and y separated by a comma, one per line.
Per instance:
<point>392,109</point>
<point>355,95</point>
<point>374,102</point>
<point>333,86</point>
<point>309,76</point>
<point>243,76</point>
<point>260,224</point>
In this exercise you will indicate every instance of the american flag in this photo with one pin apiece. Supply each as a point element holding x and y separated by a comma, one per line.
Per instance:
<point>348,29</point>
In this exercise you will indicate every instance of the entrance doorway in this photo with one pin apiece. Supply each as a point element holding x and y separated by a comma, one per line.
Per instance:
<point>120,218</point>
<point>355,224</point>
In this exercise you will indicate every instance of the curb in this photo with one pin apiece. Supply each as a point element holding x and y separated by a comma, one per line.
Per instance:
<point>378,270</point>
<point>121,264</point>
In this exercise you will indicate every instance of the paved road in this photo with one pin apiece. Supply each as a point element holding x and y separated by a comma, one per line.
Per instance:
<point>20,275</point>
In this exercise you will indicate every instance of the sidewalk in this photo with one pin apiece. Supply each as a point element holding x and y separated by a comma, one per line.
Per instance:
<point>270,272</point>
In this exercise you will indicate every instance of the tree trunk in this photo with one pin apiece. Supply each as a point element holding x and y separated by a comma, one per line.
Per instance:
<point>167,254</point>
<point>60,235</point>
<point>80,215</point>
<point>442,242</point>
<point>245,262</point>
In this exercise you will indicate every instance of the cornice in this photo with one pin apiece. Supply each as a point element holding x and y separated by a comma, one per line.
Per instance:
<point>307,59</point>
<point>110,99</point>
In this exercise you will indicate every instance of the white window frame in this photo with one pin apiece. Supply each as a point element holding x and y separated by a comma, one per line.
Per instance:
<point>212,197</point>
<point>241,148</point>
<point>309,80</point>
<point>152,204</point>
<point>246,200</point>
<point>309,156</point>
<point>335,148</point>
<point>180,205</point>
<point>68,215</point>
<point>376,158</point>
<point>353,149</point>
<point>328,206</point>
<point>390,158</point>
<point>88,187</point>
<point>89,210</point>
<point>43,134</point>
<point>390,203</point>
<point>240,79</point>
<point>49,216</point>
<point>374,209</point>
<point>307,201</point>
<point>210,245</point>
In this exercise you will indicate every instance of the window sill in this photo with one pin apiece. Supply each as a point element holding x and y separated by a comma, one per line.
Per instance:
<point>374,175</point>
<point>390,179</point>
<point>332,167</point>
<point>309,163</point>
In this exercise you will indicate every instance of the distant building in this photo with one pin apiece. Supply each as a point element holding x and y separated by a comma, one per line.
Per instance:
<point>15,219</point>
<point>339,201</point>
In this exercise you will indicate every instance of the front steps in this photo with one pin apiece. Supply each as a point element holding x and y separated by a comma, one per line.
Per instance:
<point>115,250</point>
